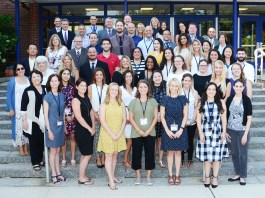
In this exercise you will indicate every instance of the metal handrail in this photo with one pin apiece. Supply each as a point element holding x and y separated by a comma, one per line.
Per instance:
<point>259,53</point>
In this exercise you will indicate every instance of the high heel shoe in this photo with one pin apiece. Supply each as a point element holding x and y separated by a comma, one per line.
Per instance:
<point>215,185</point>
<point>55,180</point>
<point>207,185</point>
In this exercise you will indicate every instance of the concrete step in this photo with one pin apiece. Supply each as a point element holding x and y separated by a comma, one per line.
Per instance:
<point>258,98</point>
<point>258,113</point>
<point>3,100</point>
<point>2,107</point>
<point>5,124</point>
<point>258,105</point>
<point>258,122</point>
<point>258,91</point>
<point>2,93</point>
<point>257,85</point>
<point>3,87</point>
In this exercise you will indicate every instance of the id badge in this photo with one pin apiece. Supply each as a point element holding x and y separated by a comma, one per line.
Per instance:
<point>174,127</point>
<point>59,123</point>
<point>143,121</point>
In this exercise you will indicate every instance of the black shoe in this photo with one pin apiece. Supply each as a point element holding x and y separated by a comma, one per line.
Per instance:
<point>242,183</point>
<point>233,179</point>
<point>207,185</point>
<point>215,186</point>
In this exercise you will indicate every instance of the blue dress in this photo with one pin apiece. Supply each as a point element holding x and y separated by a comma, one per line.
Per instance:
<point>53,116</point>
<point>174,114</point>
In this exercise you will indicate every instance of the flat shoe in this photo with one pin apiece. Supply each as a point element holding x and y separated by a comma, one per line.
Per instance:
<point>161,164</point>
<point>242,183</point>
<point>63,164</point>
<point>36,167</point>
<point>233,179</point>
<point>149,182</point>
<point>88,182</point>
<point>73,163</point>
<point>137,181</point>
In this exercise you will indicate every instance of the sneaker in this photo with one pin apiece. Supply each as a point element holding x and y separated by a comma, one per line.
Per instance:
<point>149,182</point>
<point>137,181</point>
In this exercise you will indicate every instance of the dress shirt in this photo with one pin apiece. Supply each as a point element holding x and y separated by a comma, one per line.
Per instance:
<point>146,45</point>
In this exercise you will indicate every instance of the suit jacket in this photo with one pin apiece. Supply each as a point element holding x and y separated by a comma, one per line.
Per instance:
<point>200,38</point>
<point>51,32</point>
<point>104,34</point>
<point>215,41</point>
<point>85,71</point>
<point>83,57</point>
<point>71,36</point>
<point>127,45</point>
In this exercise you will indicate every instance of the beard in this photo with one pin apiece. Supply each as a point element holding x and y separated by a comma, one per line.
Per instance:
<point>241,59</point>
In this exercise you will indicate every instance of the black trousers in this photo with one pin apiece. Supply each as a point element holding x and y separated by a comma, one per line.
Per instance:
<point>148,143</point>
<point>191,132</point>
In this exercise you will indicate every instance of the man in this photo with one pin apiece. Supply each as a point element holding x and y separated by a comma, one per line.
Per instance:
<point>56,29</point>
<point>65,35</point>
<point>93,37</point>
<point>78,53</point>
<point>147,44</point>
<point>110,58</point>
<point>211,37</point>
<point>127,19</point>
<point>93,25</point>
<point>89,66</point>
<point>29,62</point>
<point>85,38</point>
<point>108,31</point>
<point>167,39</point>
<point>121,43</point>
<point>131,33</point>
<point>193,33</point>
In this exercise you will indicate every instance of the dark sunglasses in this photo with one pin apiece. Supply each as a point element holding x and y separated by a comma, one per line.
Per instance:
<point>22,68</point>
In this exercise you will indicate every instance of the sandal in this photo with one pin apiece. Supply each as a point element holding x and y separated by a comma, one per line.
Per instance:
<point>182,164</point>
<point>171,180</point>
<point>61,178</point>
<point>177,180</point>
<point>127,164</point>
<point>88,182</point>
<point>73,163</point>
<point>207,185</point>
<point>36,167</point>
<point>112,187</point>
<point>55,180</point>
<point>63,163</point>
<point>161,164</point>
<point>117,181</point>
<point>215,185</point>
<point>42,164</point>
<point>190,164</point>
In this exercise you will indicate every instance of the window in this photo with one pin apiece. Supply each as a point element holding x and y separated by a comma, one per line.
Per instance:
<point>194,9</point>
<point>149,9</point>
<point>82,10</point>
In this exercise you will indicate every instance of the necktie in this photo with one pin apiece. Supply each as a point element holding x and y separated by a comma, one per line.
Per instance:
<point>94,28</point>
<point>121,47</point>
<point>78,56</point>
<point>65,37</point>
<point>93,66</point>
<point>109,33</point>
<point>167,45</point>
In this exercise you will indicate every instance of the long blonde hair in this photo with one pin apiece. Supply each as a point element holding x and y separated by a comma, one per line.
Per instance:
<point>51,44</point>
<point>73,68</point>
<point>118,97</point>
<point>223,76</point>
<point>178,84</point>
<point>189,59</point>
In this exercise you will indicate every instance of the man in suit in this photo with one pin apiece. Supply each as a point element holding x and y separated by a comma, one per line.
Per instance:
<point>93,25</point>
<point>93,38</point>
<point>108,31</point>
<point>29,62</point>
<point>65,35</point>
<point>89,66</point>
<point>167,40</point>
<point>56,29</point>
<point>193,33</point>
<point>211,37</point>
<point>79,54</point>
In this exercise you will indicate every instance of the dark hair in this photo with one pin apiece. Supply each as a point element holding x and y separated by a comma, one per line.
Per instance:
<point>34,71</point>
<point>94,75</point>
<point>48,84</point>
<point>203,60</point>
<point>241,81</point>
<point>57,17</point>
<point>148,85</point>
<point>93,33</point>
<point>184,66</point>
<point>206,41</point>
<point>241,49</point>
<point>79,81</point>
<point>152,81</point>
<point>15,67</point>
<point>34,45</point>
<point>223,34</point>
<point>186,75</point>
<point>161,44</point>
<point>154,61</point>
<point>192,23</point>
<point>217,99</point>
<point>179,40</point>
<point>232,58</point>
<point>178,30</point>
<point>214,50</point>
<point>164,60</point>
<point>142,57</point>
<point>60,75</point>
<point>124,76</point>
<point>160,31</point>
<point>106,39</point>
<point>118,22</point>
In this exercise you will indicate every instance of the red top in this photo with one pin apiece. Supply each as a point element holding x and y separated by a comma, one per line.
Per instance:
<point>113,61</point>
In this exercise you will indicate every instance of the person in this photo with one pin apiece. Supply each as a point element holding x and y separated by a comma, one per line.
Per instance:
<point>150,66</point>
<point>213,56</point>
<point>55,52</point>
<point>68,63</point>
<point>206,46</point>
<point>167,39</point>
<point>143,114</point>
<point>211,122</point>
<point>111,137</point>
<point>140,30</point>
<point>183,47</point>
<point>147,44</point>
<point>155,24</point>
<point>181,30</point>
<point>89,66</point>
<point>78,53</point>
<point>211,37</point>
<point>93,37</point>
<point>84,129</point>
<point>239,116</point>
<point>108,32</point>
<point>237,72</point>
<point>192,29</point>
<point>82,33</point>
<point>126,20</point>
<point>132,34</point>
<point>69,119</point>
<point>179,68</point>
<point>97,94</point>
<point>93,26</point>
<point>228,59</point>
<point>158,51</point>
<point>128,91</point>
<point>222,43</point>
<point>28,62</point>
<point>53,106</point>
<point>108,57</point>
<point>174,113</point>
<point>121,43</point>
<point>167,63</point>
<point>161,29</point>
<point>158,87</point>
<point>56,29</point>
<point>192,96</point>
<point>125,64</point>
<point>137,61</point>
<point>202,78</point>
<point>15,88</point>
<point>65,35</point>
<point>33,119</point>
<point>42,65</point>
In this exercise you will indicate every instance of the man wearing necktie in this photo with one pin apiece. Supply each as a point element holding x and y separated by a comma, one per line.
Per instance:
<point>93,25</point>
<point>108,32</point>
<point>56,29</point>
<point>211,36</point>
<point>65,35</point>
<point>167,39</point>
<point>193,33</point>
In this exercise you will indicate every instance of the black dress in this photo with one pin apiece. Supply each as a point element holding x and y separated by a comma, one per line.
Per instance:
<point>118,78</point>
<point>83,137</point>
<point>200,83</point>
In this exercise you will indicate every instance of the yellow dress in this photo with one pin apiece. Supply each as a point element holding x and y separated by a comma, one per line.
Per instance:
<point>114,121</point>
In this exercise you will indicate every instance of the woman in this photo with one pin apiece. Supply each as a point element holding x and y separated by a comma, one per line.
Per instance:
<point>140,30</point>
<point>179,69</point>
<point>211,121</point>
<point>158,50</point>
<point>239,117</point>
<point>143,117</point>
<point>137,61</point>
<point>181,30</point>
<point>228,59</point>
<point>238,73</point>
<point>97,94</point>
<point>53,104</point>
<point>68,63</point>
<point>174,112</point>
<point>202,78</point>
<point>125,64</point>
<point>55,52</point>
<point>15,89</point>
<point>206,46</point>
<point>222,40</point>
<point>158,86</point>
<point>219,78</point>
<point>195,56</point>
<point>42,65</point>
<point>33,120</point>
<point>183,47</point>
<point>155,24</point>
<point>84,129</point>
<point>111,137</point>
<point>68,91</point>
<point>163,27</point>
<point>150,66</point>
<point>128,94</point>
<point>167,63</point>
<point>192,96</point>
<point>214,55</point>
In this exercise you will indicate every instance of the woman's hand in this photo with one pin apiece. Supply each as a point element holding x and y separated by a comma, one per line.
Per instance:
<point>178,133</point>
<point>202,137</point>
<point>97,118</point>
<point>50,135</point>
<point>244,139</point>
<point>11,113</point>
<point>170,134</point>
<point>228,138</point>
<point>223,136</point>
<point>91,130</point>
<point>25,125</point>
<point>113,137</point>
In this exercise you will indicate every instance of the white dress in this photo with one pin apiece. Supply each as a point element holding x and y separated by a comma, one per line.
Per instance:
<point>98,96</point>
<point>168,69</point>
<point>55,58</point>
<point>20,138</point>
<point>178,76</point>
<point>184,52</point>
<point>126,99</point>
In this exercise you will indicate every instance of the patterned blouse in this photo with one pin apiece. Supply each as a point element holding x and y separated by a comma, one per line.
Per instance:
<point>159,92</point>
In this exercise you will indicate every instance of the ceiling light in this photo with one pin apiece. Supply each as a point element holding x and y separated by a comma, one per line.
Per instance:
<point>185,9</point>
<point>147,8</point>
<point>243,9</point>
<point>91,9</point>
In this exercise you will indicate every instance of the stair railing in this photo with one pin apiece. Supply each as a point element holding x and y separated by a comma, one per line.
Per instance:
<point>259,54</point>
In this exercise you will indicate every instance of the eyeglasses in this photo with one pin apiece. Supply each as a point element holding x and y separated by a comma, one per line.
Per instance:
<point>21,68</point>
<point>203,65</point>
<point>78,41</point>
<point>166,34</point>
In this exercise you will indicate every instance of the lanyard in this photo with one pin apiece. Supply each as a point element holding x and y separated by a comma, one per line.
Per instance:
<point>210,111</point>
<point>144,109</point>
<point>188,96</point>
<point>169,69</point>
<point>197,62</point>
<point>57,103</point>
<point>147,48</point>
<point>99,95</point>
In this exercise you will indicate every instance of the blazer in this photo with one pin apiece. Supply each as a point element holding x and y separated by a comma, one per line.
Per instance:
<point>71,36</point>
<point>127,45</point>
<point>200,38</point>
<point>51,32</point>
<point>25,63</point>
<point>215,41</point>
<point>83,57</point>
<point>104,34</point>
<point>85,71</point>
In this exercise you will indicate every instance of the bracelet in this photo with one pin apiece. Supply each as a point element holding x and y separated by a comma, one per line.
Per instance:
<point>182,128</point>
